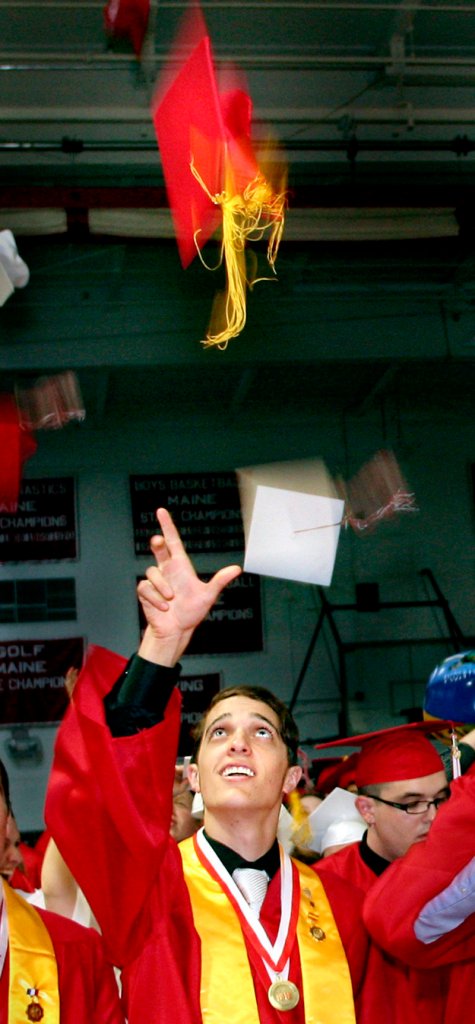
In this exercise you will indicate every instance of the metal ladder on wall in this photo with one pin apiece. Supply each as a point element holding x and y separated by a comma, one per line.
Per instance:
<point>367,600</point>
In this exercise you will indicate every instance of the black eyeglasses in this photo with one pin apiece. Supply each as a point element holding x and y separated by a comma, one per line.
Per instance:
<point>416,807</point>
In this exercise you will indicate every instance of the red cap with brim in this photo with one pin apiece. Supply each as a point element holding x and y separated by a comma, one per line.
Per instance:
<point>392,755</point>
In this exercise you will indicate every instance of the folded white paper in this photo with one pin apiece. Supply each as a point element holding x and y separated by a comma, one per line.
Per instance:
<point>12,263</point>
<point>293,536</point>
<point>336,821</point>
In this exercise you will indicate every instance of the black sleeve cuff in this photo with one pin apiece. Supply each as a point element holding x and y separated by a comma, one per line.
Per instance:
<point>139,697</point>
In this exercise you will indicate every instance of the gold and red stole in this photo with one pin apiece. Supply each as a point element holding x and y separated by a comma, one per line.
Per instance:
<point>33,973</point>
<point>227,988</point>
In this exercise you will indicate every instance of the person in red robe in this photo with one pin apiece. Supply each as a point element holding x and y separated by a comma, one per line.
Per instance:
<point>12,860</point>
<point>33,858</point>
<point>432,923</point>
<point>173,917</point>
<point>402,784</point>
<point>50,969</point>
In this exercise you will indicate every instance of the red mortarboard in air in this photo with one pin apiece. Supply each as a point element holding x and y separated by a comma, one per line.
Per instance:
<point>377,492</point>
<point>128,19</point>
<point>16,446</point>
<point>194,124</point>
<point>210,169</point>
<point>391,755</point>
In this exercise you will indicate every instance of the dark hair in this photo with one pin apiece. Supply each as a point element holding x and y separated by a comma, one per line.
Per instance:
<point>288,730</point>
<point>375,789</point>
<point>5,784</point>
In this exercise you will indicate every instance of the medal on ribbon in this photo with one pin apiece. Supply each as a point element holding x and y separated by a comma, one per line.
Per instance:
<point>34,1010</point>
<point>283,994</point>
<point>273,958</point>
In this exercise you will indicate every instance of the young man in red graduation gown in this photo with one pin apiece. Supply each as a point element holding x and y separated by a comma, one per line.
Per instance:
<point>402,783</point>
<point>190,946</point>
<point>51,970</point>
<point>432,922</point>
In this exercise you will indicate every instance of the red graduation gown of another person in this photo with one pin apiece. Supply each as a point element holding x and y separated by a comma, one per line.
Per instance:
<point>394,992</point>
<point>428,869</point>
<point>87,986</point>
<point>33,859</point>
<point>109,809</point>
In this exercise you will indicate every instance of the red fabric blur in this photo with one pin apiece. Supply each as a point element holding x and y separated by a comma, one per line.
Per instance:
<point>33,859</point>
<point>128,19</point>
<point>16,446</point>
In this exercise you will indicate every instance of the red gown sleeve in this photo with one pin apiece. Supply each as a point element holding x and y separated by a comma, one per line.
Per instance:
<point>395,901</point>
<point>109,807</point>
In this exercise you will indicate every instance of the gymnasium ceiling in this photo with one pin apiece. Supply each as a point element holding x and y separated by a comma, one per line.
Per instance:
<point>374,105</point>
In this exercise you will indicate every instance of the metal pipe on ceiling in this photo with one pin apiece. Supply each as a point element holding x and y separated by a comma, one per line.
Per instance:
<point>311,5</point>
<point>31,61</point>
<point>305,118</point>
<point>461,145</point>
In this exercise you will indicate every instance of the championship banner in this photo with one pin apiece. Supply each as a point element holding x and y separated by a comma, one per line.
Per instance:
<point>32,675</point>
<point>196,694</point>
<point>43,525</point>
<point>205,507</point>
<point>234,624</point>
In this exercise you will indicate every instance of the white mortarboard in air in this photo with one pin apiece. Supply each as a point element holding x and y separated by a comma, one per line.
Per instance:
<point>11,260</point>
<point>14,272</point>
<point>292,516</point>
<point>6,287</point>
<point>336,821</point>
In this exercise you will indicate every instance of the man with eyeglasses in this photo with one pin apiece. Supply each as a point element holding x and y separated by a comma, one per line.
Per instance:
<point>432,923</point>
<point>401,784</point>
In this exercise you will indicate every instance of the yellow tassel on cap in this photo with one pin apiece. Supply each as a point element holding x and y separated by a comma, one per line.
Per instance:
<point>246,217</point>
<point>301,831</point>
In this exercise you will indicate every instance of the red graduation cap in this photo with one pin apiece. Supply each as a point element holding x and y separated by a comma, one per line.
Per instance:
<point>196,127</point>
<point>329,772</point>
<point>392,755</point>
<point>128,19</point>
<point>377,492</point>
<point>16,446</point>
<point>210,169</point>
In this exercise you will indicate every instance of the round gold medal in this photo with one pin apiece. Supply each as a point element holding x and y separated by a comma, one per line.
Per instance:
<point>34,1012</point>
<point>283,995</point>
